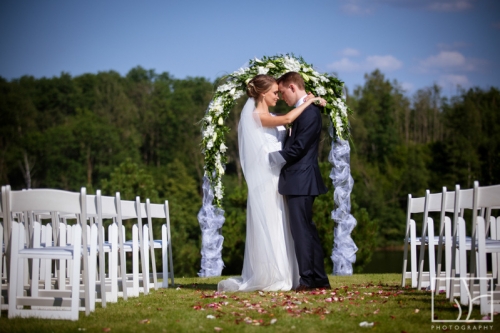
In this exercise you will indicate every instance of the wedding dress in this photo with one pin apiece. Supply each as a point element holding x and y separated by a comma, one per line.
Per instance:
<point>269,263</point>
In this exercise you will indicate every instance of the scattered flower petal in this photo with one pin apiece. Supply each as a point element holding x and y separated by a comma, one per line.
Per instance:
<point>365,324</point>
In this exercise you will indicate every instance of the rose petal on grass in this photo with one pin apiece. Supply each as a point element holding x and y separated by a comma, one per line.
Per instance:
<point>273,321</point>
<point>106,329</point>
<point>145,321</point>
<point>210,317</point>
<point>217,329</point>
<point>417,310</point>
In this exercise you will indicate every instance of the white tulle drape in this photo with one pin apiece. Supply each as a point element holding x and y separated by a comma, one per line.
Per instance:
<point>211,220</point>
<point>344,249</point>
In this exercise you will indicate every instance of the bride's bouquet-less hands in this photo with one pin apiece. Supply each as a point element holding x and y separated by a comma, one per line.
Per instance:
<point>213,125</point>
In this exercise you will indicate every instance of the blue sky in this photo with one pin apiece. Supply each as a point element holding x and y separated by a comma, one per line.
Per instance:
<point>416,42</point>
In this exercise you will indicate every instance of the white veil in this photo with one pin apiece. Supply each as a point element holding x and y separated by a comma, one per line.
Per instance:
<point>270,262</point>
<point>253,147</point>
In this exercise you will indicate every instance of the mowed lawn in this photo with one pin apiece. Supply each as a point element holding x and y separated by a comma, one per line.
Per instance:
<point>358,303</point>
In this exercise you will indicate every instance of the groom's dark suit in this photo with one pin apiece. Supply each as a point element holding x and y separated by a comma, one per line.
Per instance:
<point>300,182</point>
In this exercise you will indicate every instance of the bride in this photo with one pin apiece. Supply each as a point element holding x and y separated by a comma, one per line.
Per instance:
<point>269,263</point>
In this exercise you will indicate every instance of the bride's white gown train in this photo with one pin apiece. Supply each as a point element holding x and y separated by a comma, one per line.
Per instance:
<point>269,263</point>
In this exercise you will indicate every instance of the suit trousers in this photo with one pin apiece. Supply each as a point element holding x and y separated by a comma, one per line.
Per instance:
<point>307,243</point>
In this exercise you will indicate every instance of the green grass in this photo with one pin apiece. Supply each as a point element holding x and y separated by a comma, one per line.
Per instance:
<point>194,306</point>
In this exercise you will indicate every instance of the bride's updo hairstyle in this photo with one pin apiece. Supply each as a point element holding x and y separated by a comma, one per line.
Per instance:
<point>259,85</point>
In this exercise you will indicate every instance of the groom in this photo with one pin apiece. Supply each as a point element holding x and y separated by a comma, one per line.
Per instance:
<point>300,182</point>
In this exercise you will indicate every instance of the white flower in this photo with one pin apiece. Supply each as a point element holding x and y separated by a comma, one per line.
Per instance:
<point>210,144</point>
<point>222,148</point>
<point>330,91</point>
<point>321,90</point>
<point>232,91</point>
<point>221,121</point>
<point>218,190</point>
<point>248,80</point>
<point>256,59</point>
<point>291,64</point>
<point>270,65</point>
<point>262,70</point>
<point>324,79</point>
<point>217,106</point>
<point>208,119</point>
<point>314,79</point>
<point>221,170</point>
<point>240,71</point>
<point>238,94</point>
<point>307,69</point>
<point>209,131</point>
<point>304,76</point>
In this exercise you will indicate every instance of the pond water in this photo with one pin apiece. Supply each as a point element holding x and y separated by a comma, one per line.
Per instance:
<point>385,262</point>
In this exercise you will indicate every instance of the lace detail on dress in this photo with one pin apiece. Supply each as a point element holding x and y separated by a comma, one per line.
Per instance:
<point>275,137</point>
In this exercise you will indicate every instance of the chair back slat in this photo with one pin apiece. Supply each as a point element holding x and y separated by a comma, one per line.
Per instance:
<point>488,196</point>
<point>416,205</point>
<point>128,209</point>
<point>157,211</point>
<point>45,200</point>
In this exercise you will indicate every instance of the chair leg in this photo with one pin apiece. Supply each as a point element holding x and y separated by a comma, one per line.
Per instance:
<point>164,256</point>
<point>135,260</point>
<point>413,253</point>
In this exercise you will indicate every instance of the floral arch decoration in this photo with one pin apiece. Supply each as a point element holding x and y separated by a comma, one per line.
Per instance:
<point>214,129</point>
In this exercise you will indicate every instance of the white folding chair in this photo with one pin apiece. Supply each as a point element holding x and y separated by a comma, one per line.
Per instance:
<point>415,205</point>
<point>3,262</point>
<point>134,210</point>
<point>486,197</point>
<point>461,243</point>
<point>160,211</point>
<point>98,208</point>
<point>432,204</point>
<point>53,304</point>
<point>444,240</point>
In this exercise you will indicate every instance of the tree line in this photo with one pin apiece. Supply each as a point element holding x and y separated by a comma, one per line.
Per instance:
<point>139,134</point>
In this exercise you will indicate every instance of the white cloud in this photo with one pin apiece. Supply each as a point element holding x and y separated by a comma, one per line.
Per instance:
<point>348,52</point>
<point>449,5</point>
<point>453,80</point>
<point>452,46</point>
<point>366,7</point>
<point>448,61</point>
<point>385,63</point>
<point>357,7</point>
<point>407,86</point>
<point>445,59</point>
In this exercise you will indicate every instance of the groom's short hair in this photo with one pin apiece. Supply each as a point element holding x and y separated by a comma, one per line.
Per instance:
<point>292,77</point>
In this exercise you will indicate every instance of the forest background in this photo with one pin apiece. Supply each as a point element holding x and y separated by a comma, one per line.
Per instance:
<point>139,134</point>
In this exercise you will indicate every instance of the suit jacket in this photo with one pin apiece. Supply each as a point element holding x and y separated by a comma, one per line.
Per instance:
<point>301,175</point>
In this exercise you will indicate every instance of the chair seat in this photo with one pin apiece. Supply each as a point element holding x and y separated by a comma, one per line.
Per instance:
<point>65,252</point>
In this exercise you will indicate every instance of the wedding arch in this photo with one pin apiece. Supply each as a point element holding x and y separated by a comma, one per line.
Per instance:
<point>214,129</point>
